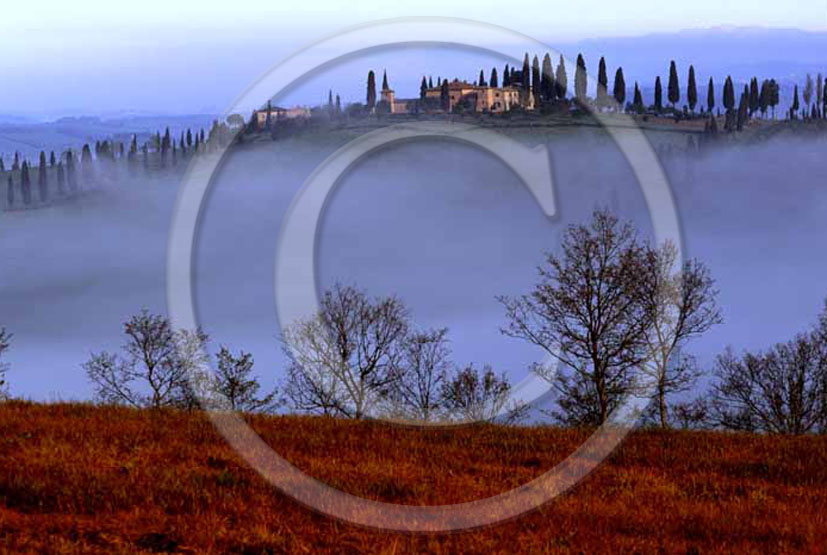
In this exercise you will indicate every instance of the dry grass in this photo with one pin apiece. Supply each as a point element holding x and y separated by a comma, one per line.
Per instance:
<point>77,478</point>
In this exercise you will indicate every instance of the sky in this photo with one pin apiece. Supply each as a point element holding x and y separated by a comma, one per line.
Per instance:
<point>89,56</point>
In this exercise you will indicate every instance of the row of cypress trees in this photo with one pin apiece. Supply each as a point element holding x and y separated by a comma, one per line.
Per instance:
<point>69,171</point>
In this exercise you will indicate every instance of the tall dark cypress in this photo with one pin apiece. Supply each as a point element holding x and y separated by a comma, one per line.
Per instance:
<point>61,179</point>
<point>691,89</point>
<point>535,81</point>
<point>561,80</point>
<point>370,99</point>
<point>52,158</point>
<point>445,97</point>
<point>15,165</point>
<point>729,94</point>
<point>430,82</point>
<point>547,90</point>
<point>385,86</point>
<point>506,76</point>
<point>526,75</point>
<point>481,81</point>
<point>673,89</point>
<point>743,107</point>
<point>710,96</point>
<point>25,183</point>
<point>42,179</point>
<point>619,89</point>
<point>638,99</point>
<point>793,109</point>
<point>658,95</point>
<point>10,193</point>
<point>494,82</point>
<point>602,83</point>
<point>189,138</point>
<point>71,171</point>
<point>753,96</point>
<point>580,79</point>
<point>423,89</point>
<point>338,105</point>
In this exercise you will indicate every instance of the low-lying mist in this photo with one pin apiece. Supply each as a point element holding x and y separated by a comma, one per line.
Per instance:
<point>445,226</point>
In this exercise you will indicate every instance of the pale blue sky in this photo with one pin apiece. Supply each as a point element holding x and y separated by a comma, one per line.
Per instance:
<point>98,56</point>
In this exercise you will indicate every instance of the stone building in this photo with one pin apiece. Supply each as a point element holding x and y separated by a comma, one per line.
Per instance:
<point>277,113</point>
<point>472,97</point>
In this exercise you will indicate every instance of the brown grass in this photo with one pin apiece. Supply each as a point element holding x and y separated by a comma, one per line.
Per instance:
<point>77,478</point>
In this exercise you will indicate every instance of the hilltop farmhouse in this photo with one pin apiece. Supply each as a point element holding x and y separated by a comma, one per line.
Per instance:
<point>277,113</point>
<point>461,94</point>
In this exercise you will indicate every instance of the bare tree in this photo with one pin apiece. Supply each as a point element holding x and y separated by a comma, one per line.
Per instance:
<point>682,305</point>
<point>5,343</point>
<point>589,311</point>
<point>154,368</point>
<point>425,365</point>
<point>779,391</point>
<point>474,397</point>
<point>235,383</point>
<point>346,358</point>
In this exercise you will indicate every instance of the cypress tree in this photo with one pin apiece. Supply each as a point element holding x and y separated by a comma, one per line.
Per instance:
<point>547,81</point>
<point>61,180</point>
<point>580,79</point>
<point>330,100</point>
<point>743,107</point>
<point>423,89</point>
<point>754,96</point>
<point>52,159</point>
<point>763,97</point>
<point>268,119</point>
<point>338,105</point>
<point>430,82</point>
<point>445,97</point>
<point>371,92</point>
<point>494,82</point>
<point>10,192</point>
<point>526,76</point>
<point>481,82</point>
<point>658,95</point>
<point>710,96</point>
<point>796,105</point>
<point>691,89</point>
<point>536,83</point>
<point>638,100</point>
<point>673,89</point>
<point>561,80</point>
<point>25,183</point>
<point>807,93</point>
<point>602,83</point>
<point>729,94</point>
<point>620,88</point>
<point>181,144</point>
<point>506,76</point>
<point>189,138</point>
<point>15,165</point>
<point>385,86</point>
<point>71,172</point>
<point>42,179</point>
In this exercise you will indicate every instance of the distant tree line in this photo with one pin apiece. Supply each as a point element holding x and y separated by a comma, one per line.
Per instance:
<point>63,175</point>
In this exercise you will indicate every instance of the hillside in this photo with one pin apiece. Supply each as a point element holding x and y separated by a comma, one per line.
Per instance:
<point>78,478</point>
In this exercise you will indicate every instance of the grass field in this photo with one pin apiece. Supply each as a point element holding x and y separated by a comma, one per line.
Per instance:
<point>77,478</point>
